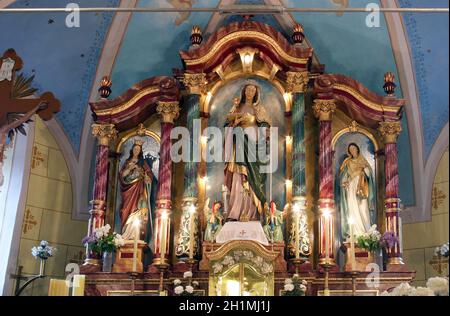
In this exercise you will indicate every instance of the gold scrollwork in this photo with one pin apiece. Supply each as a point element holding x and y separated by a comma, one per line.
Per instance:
<point>297,81</point>
<point>196,83</point>
<point>390,131</point>
<point>169,111</point>
<point>324,109</point>
<point>104,133</point>
<point>354,127</point>
<point>253,34</point>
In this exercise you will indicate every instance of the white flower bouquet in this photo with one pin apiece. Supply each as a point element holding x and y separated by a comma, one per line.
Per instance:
<point>187,290</point>
<point>43,251</point>
<point>295,286</point>
<point>370,240</point>
<point>436,286</point>
<point>101,240</point>
<point>442,251</point>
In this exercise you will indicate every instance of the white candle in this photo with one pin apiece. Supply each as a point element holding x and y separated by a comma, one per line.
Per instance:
<point>79,281</point>
<point>163,236</point>
<point>135,246</point>
<point>327,236</point>
<point>352,245</point>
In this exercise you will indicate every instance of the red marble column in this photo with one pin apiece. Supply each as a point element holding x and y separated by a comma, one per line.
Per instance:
<point>104,133</point>
<point>168,111</point>
<point>323,109</point>
<point>390,132</point>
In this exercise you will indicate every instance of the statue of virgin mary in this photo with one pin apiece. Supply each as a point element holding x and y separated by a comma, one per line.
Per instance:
<point>243,176</point>
<point>357,192</point>
<point>138,187</point>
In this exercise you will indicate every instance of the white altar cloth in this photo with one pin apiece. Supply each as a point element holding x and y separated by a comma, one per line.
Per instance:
<point>242,231</point>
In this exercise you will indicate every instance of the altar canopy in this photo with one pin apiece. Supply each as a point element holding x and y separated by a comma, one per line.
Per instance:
<point>310,158</point>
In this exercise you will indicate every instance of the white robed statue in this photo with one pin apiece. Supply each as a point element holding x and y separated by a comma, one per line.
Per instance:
<point>357,192</point>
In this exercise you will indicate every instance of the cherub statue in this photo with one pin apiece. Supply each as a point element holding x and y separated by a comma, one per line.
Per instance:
<point>274,223</point>
<point>214,220</point>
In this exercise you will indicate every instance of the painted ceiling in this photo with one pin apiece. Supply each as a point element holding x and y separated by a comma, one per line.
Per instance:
<point>64,60</point>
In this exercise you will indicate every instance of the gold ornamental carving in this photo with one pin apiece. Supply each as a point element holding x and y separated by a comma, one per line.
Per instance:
<point>195,83</point>
<point>297,81</point>
<point>390,131</point>
<point>169,111</point>
<point>323,109</point>
<point>256,35</point>
<point>104,133</point>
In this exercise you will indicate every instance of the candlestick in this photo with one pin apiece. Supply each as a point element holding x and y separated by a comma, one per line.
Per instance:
<point>352,244</point>
<point>78,285</point>
<point>191,231</point>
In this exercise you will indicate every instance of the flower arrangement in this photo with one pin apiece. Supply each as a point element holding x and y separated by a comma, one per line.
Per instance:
<point>294,286</point>
<point>370,240</point>
<point>101,240</point>
<point>442,250</point>
<point>436,286</point>
<point>187,290</point>
<point>388,240</point>
<point>43,251</point>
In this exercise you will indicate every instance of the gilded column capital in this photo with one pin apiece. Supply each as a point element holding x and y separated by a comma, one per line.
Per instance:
<point>104,133</point>
<point>323,109</point>
<point>169,111</point>
<point>195,83</point>
<point>297,81</point>
<point>390,131</point>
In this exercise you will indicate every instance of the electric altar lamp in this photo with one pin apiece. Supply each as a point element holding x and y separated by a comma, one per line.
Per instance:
<point>389,83</point>
<point>298,36</point>
<point>196,36</point>
<point>105,87</point>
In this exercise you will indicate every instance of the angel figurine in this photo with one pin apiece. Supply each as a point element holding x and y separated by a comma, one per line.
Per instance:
<point>274,223</point>
<point>214,220</point>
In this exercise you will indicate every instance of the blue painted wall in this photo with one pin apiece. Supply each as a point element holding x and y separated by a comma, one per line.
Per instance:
<point>428,40</point>
<point>63,59</point>
<point>152,44</point>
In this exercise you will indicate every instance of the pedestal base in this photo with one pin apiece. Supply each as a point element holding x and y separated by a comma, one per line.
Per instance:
<point>125,255</point>
<point>362,257</point>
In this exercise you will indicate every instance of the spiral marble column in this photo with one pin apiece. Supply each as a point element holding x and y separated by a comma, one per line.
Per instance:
<point>390,131</point>
<point>297,84</point>
<point>104,134</point>
<point>323,110</point>
<point>169,111</point>
<point>195,84</point>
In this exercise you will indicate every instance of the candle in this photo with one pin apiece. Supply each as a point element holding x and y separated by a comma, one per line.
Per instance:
<point>78,285</point>
<point>58,288</point>
<point>352,244</point>
<point>137,228</point>
<point>191,231</point>
<point>135,253</point>
<point>327,235</point>
<point>163,235</point>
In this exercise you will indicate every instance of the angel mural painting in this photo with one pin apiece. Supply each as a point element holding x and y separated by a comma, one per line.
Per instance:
<point>243,152</point>
<point>138,190</point>
<point>357,191</point>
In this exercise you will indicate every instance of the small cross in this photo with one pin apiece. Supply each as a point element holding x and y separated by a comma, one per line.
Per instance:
<point>242,233</point>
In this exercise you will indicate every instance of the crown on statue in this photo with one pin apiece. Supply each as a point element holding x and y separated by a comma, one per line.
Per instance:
<point>139,142</point>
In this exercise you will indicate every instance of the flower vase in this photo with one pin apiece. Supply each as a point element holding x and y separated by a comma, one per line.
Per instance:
<point>42,266</point>
<point>107,261</point>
